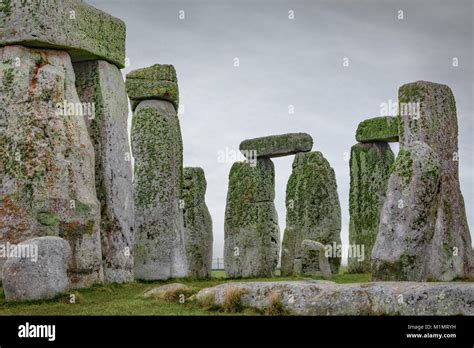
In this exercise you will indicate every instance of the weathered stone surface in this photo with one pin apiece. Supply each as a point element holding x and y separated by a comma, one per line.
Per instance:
<point>69,25</point>
<point>41,277</point>
<point>162,292</point>
<point>197,224</point>
<point>328,298</point>
<point>313,210</point>
<point>158,81</point>
<point>47,159</point>
<point>423,231</point>
<point>252,236</point>
<point>313,259</point>
<point>370,168</point>
<point>383,128</point>
<point>101,84</point>
<point>277,145</point>
<point>159,231</point>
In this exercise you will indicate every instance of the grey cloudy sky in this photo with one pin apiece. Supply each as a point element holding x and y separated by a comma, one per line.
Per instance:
<point>298,62</point>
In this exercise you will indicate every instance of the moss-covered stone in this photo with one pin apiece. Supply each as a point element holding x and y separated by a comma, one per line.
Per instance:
<point>277,145</point>
<point>83,31</point>
<point>313,210</point>
<point>158,151</point>
<point>101,84</point>
<point>428,237</point>
<point>383,128</point>
<point>252,236</point>
<point>47,159</point>
<point>197,224</point>
<point>370,168</point>
<point>158,81</point>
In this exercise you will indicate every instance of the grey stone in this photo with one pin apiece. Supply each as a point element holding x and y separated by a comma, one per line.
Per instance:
<point>313,259</point>
<point>47,159</point>
<point>423,231</point>
<point>42,276</point>
<point>277,145</point>
<point>370,168</point>
<point>85,32</point>
<point>158,81</point>
<point>384,128</point>
<point>197,224</point>
<point>252,235</point>
<point>313,210</point>
<point>159,231</point>
<point>101,84</point>
<point>328,298</point>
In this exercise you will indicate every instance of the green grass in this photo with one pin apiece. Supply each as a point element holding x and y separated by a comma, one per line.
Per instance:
<point>126,299</point>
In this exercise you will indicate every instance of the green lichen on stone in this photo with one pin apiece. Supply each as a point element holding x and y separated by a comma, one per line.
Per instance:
<point>313,209</point>
<point>403,166</point>
<point>370,169</point>
<point>83,31</point>
<point>277,145</point>
<point>158,81</point>
<point>383,128</point>
<point>48,219</point>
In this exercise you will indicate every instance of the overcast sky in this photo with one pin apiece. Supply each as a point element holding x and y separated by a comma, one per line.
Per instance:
<point>298,62</point>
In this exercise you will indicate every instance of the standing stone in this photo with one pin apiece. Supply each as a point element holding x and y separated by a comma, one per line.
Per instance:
<point>101,87</point>
<point>85,32</point>
<point>47,159</point>
<point>313,210</point>
<point>370,168</point>
<point>159,231</point>
<point>41,273</point>
<point>313,259</point>
<point>423,232</point>
<point>197,224</point>
<point>252,236</point>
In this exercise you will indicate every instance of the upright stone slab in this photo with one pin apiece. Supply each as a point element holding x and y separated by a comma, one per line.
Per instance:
<point>158,151</point>
<point>47,159</point>
<point>313,210</point>
<point>158,81</point>
<point>384,128</point>
<point>370,168</point>
<point>100,86</point>
<point>252,236</point>
<point>423,232</point>
<point>85,32</point>
<point>276,145</point>
<point>197,224</point>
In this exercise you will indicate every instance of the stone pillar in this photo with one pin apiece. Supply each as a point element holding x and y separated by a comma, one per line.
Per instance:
<point>100,84</point>
<point>423,232</point>
<point>313,210</point>
<point>197,224</point>
<point>370,166</point>
<point>252,236</point>
<point>158,151</point>
<point>47,162</point>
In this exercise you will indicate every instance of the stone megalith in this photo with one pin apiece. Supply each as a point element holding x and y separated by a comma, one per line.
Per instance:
<point>41,271</point>
<point>423,232</point>
<point>252,235</point>
<point>85,32</point>
<point>159,251</point>
<point>313,211</point>
<point>101,87</point>
<point>47,159</point>
<point>276,145</point>
<point>313,259</point>
<point>384,128</point>
<point>370,168</point>
<point>197,224</point>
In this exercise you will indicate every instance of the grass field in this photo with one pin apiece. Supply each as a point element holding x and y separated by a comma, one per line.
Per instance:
<point>126,299</point>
